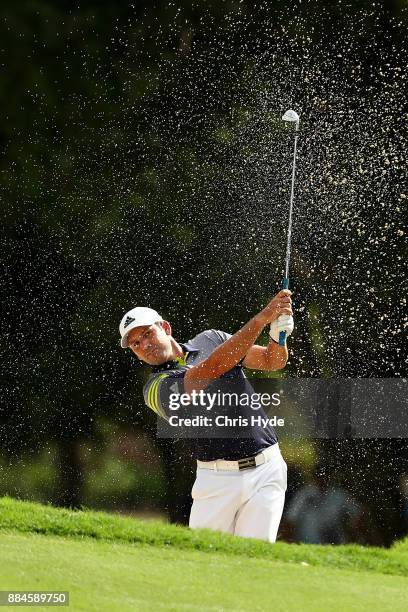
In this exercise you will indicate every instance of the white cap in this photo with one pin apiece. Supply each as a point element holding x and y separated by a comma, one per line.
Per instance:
<point>137,317</point>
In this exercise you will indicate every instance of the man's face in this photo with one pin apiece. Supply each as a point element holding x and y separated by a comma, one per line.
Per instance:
<point>151,343</point>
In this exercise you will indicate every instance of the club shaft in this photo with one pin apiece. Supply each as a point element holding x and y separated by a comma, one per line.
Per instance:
<point>285,285</point>
<point>292,195</point>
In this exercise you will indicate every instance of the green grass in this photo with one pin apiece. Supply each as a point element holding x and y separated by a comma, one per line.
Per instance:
<point>109,562</point>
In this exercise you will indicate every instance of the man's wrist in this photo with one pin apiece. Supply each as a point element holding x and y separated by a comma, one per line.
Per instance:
<point>259,322</point>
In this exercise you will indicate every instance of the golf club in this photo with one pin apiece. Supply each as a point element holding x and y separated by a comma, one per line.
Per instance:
<point>292,117</point>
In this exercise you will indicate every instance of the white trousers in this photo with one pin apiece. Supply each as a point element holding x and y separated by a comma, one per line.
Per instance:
<point>248,503</point>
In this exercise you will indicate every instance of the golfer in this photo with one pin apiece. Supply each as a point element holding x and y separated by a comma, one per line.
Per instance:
<point>241,481</point>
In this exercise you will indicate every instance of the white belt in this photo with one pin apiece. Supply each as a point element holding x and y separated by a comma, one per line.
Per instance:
<point>242,464</point>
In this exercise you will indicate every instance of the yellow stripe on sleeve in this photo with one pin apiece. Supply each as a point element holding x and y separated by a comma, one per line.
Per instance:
<point>153,399</point>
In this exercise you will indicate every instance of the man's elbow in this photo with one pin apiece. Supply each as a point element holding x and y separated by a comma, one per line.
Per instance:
<point>278,357</point>
<point>200,378</point>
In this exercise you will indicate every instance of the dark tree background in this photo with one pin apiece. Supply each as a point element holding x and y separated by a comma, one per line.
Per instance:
<point>134,170</point>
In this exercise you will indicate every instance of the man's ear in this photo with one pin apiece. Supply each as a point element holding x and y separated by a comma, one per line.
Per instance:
<point>167,327</point>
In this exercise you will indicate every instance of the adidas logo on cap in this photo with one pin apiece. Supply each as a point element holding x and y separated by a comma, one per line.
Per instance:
<point>128,321</point>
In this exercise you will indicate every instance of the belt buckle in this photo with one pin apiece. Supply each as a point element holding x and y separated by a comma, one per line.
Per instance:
<point>246,463</point>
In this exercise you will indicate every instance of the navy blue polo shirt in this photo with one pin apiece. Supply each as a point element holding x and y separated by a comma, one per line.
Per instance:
<point>161,384</point>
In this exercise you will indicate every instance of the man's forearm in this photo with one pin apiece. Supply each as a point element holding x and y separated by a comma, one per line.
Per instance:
<point>227,355</point>
<point>230,353</point>
<point>276,356</point>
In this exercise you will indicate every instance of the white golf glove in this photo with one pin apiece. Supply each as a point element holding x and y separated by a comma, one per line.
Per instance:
<point>282,323</point>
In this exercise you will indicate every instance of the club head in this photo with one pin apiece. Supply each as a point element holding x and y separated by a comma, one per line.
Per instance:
<point>291,115</point>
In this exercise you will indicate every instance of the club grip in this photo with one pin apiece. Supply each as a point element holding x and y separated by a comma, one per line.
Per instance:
<point>282,334</point>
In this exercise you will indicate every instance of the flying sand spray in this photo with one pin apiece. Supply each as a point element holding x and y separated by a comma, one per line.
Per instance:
<point>293,117</point>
